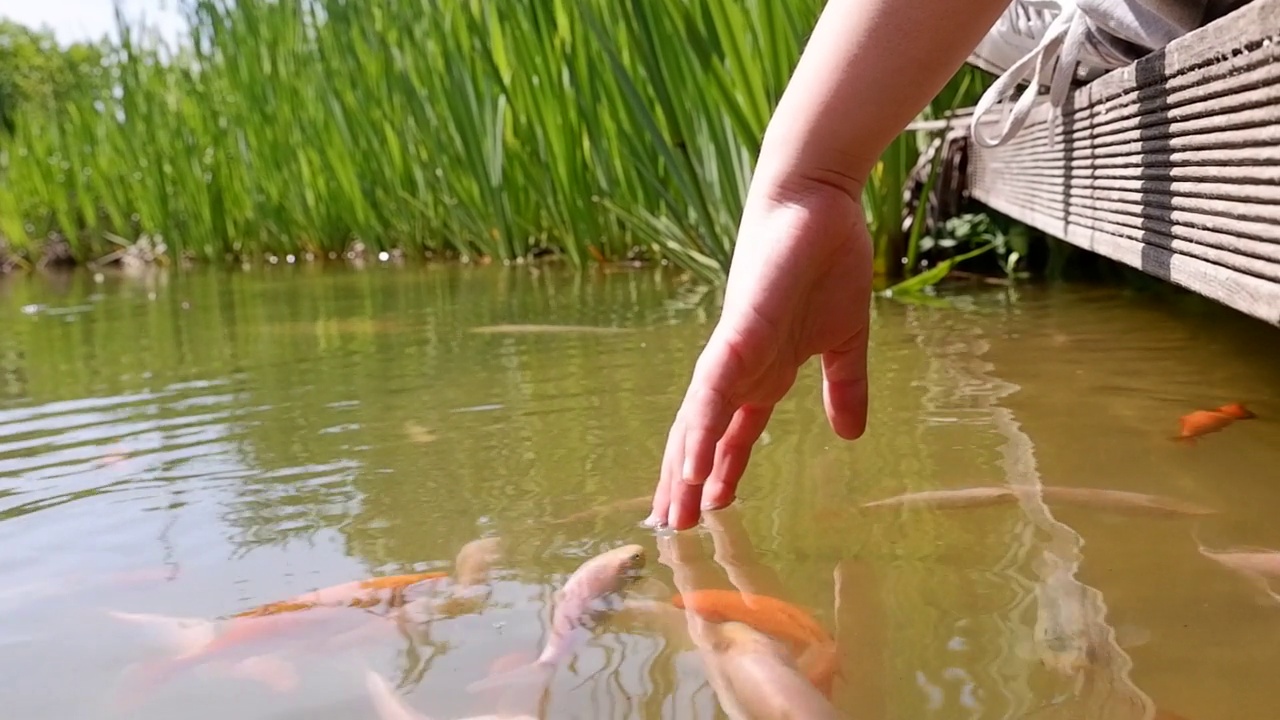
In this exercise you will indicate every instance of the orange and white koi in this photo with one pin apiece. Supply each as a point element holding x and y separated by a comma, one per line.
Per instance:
<point>591,591</point>
<point>756,678</point>
<point>808,642</point>
<point>1202,422</point>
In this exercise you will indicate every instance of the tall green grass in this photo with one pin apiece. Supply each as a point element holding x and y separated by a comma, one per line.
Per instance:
<point>591,128</point>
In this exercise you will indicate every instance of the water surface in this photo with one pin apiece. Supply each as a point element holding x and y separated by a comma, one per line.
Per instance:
<point>196,444</point>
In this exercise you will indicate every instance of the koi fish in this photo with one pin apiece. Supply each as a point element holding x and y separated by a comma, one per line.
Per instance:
<point>1203,422</point>
<point>757,678</point>
<point>201,640</point>
<point>985,496</point>
<point>806,639</point>
<point>1258,565</point>
<point>958,498</point>
<point>245,644</point>
<point>1123,500</point>
<point>355,594</point>
<point>587,594</point>
<point>475,560</point>
<point>391,707</point>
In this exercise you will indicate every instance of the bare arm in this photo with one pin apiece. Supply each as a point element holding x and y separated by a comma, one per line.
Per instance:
<point>868,69</point>
<point>800,282</point>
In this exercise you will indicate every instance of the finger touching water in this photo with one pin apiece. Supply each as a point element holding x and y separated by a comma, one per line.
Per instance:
<point>733,453</point>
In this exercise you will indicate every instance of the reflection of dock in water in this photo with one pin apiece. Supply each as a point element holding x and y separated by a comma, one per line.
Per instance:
<point>1070,636</point>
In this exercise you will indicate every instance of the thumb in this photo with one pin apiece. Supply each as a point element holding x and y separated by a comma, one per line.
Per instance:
<point>844,386</point>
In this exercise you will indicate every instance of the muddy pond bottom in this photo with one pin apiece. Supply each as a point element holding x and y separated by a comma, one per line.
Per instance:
<point>292,493</point>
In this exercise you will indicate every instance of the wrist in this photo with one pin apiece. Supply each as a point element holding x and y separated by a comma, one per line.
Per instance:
<point>805,208</point>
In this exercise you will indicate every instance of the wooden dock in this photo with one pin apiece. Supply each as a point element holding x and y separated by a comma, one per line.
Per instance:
<point>1170,165</point>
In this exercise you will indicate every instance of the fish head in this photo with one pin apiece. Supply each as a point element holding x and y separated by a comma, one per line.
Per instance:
<point>628,562</point>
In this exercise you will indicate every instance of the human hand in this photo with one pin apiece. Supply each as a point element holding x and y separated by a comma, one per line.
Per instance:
<point>799,285</point>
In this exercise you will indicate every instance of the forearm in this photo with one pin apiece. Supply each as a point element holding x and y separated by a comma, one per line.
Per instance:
<point>867,70</point>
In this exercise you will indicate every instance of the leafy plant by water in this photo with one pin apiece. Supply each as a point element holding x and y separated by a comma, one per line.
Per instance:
<point>592,129</point>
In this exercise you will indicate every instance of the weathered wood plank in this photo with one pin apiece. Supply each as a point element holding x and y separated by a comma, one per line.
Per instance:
<point>1170,165</point>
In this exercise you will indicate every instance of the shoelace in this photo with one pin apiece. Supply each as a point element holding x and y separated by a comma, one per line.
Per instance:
<point>1062,42</point>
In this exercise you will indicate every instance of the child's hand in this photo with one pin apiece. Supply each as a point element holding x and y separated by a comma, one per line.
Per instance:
<point>799,286</point>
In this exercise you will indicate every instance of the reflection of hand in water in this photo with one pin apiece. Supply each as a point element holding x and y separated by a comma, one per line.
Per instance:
<point>751,639</point>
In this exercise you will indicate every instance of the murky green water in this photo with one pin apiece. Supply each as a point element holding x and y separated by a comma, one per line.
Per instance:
<point>198,444</point>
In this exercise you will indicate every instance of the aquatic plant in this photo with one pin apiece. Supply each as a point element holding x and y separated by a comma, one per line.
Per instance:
<point>590,129</point>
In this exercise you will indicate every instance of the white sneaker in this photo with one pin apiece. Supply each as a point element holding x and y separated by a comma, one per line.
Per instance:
<point>1043,36</point>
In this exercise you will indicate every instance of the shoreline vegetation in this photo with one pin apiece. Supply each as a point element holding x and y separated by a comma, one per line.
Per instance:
<point>586,131</point>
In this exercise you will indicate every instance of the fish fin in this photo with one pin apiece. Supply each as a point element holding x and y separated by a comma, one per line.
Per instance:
<point>388,705</point>
<point>270,670</point>
<point>184,635</point>
<point>536,671</point>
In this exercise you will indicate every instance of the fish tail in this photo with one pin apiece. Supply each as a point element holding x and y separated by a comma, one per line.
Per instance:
<point>536,671</point>
<point>185,636</point>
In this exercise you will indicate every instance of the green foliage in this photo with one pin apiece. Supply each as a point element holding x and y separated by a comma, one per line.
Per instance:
<point>588,128</point>
<point>35,73</point>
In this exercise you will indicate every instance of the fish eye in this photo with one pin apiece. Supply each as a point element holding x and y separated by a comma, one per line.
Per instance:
<point>637,556</point>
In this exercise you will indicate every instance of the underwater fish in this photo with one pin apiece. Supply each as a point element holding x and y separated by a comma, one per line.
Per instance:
<point>355,594</point>
<point>807,641</point>
<point>475,560</point>
<point>756,678</point>
<point>254,635</point>
<point>985,496</point>
<point>585,596</point>
<point>244,646</point>
<point>1257,565</point>
<point>1123,501</point>
<point>1202,422</point>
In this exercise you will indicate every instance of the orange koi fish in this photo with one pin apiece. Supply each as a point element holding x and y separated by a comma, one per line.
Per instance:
<point>756,677</point>
<point>245,644</point>
<point>812,646</point>
<point>1202,422</point>
<point>356,594</point>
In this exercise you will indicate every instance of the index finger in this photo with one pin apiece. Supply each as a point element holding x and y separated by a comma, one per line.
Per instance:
<point>705,415</point>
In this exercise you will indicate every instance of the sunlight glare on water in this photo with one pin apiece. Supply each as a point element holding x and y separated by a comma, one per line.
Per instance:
<point>178,448</point>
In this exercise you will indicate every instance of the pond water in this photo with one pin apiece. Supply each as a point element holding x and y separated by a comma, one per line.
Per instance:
<point>176,448</point>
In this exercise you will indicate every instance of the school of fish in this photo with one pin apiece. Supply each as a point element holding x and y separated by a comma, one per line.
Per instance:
<point>766,658</point>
